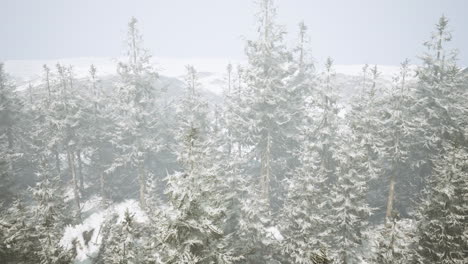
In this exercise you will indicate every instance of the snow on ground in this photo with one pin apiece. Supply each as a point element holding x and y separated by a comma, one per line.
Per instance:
<point>94,222</point>
<point>275,233</point>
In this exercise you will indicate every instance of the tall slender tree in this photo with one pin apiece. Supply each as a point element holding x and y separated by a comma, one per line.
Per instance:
<point>194,233</point>
<point>137,114</point>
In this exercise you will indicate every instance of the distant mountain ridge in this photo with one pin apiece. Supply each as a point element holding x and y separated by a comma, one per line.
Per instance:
<point>212,72</point>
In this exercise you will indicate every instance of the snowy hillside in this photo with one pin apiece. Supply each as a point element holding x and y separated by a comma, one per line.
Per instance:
<point>87,236</point>
<point>212,71</point>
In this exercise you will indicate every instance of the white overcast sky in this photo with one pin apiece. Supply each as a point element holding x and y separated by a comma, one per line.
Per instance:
<point>350,31</point>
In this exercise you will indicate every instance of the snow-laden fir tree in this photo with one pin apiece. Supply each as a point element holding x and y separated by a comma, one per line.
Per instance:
<point>32,232</point>
<point>246,209</point>
<point>69,118</point>
<point>441,101</point>
<point>17,239</point>
<point>56,121</point>
<point>300,84</point>
<point>307,207</point>
<point>47,125</point>
<point>100,134</point>
<point>50,218</point>
<point>398,135</point>
<point>348,217</point>
<point>193,232</point>
<point>393,241</point>
<point>267,115</point>
<point>365,119</point>
<point>136,111</point>
<point>122,242</point>
<point>439,104</point>
<point>10,114</point>
<point>443,212</point>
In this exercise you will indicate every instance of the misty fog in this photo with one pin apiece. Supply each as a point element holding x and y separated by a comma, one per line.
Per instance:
<point>278,156</point>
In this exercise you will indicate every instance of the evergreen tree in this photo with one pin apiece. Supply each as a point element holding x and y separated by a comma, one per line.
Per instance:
<point>50,218</point>
<point>136,111</point>
<point>17,237</point>
<point>32,233</point>
<point>267,114</point>
<point>394,241</point>
<point>100,132</point>
<point>398,135</point>
<point>306,214</point>
<point>365,120</point>
<point>193,233</point>
<point>443,211</point>
<point>439,104</point>
<point>348,216</point>
<point>10,113</point>
<point>122,243</point>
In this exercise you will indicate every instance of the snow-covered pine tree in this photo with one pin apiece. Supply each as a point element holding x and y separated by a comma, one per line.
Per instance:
<point>349,213</point>
<point>136,110</point>
<point>193,233</point>
<point>398,136</point>
<point>50,218</point>
<point>365,120</point>
<point>67,115</point>
<point>100,132</point>
<point>439,105</point>
<point>393,241</point>
<point>443,211</point>
<point>299,92</point>
<point>47,126</point>
<point>244,205</point>
<point>302,221</point>
<point>122,242</point>
<point>306,215</point>
<point>10,114</point>
<point>32,233</point>
<point>267,115</point>
<point>17,238</point>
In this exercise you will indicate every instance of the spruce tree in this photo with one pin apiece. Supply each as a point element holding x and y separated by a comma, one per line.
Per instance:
<point>267,114</point>
<point>307,211</point>
<point>136,111</point>
<point>10,140</point>
<point>122,243</point>
<point>439,104</point>
<point>50,218</point>
<point>442,215</point>
<point>194,232</point>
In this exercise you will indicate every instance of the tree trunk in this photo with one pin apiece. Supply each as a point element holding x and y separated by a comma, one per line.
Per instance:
<point>71,164</point>
<point>391,197</point>
<point>142,183</point>
<point>80,170</point>
<point>57,163</point>
<point>266,170</point>
<point>103,183</point>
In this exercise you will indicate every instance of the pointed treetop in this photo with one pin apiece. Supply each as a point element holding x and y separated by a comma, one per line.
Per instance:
<point>133,22</point>
<point>92,70</point>
<point>443,23</point>
<point>329,64</point>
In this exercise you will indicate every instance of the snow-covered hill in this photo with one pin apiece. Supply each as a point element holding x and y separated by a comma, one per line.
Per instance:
<point>212,70</point>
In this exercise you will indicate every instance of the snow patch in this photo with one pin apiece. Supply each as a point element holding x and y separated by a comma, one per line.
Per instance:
<point>93,224</point>
<point>275,233</point>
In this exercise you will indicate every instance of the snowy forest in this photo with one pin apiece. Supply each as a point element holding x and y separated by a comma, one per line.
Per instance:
<point>293,163</point>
